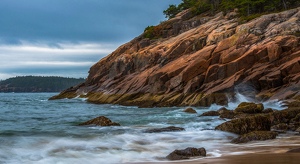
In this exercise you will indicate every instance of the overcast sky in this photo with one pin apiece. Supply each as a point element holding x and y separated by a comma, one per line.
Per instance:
<point>66,37</point>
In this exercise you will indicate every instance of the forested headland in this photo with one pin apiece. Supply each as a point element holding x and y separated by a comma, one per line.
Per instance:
<point>38,84</point>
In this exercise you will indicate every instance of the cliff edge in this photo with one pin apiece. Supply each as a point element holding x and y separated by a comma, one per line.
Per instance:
<point>200,61</point>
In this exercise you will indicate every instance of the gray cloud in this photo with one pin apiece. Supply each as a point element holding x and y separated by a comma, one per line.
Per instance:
<point>42,37</point>
<point>78,20</point>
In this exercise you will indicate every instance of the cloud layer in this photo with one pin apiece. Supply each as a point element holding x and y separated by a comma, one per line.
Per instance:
<point>65,38</point>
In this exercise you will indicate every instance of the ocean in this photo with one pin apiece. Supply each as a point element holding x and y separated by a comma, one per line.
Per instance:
<point>35,130</point>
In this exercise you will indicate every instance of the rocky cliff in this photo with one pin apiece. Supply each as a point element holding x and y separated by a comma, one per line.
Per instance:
<point>200,61</point>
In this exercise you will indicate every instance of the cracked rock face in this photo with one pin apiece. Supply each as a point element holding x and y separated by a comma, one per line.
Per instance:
<point>202,61</point>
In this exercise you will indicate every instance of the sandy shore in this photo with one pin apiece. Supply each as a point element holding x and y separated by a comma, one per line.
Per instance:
<point>271,158</point>
<point>255,158</point>
<point>264,152</point>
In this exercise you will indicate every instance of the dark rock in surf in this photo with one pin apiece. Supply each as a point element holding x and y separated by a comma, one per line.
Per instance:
<point>249,108</point>
<point>296,150</point>
<point>268,110</point>
<point>222,109</point>
<point>296,119</point>
<point>281,126</point>
<point>210,113</point>
<point>186,153</point>
<point>246,124</point>
<point>100,121</point>
<point>225,113</point>
<point>189,110</point>
<point>167,129</point>
<point>255,136</point>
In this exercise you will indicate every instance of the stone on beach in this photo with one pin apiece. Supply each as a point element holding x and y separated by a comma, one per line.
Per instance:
<point>281,126</point>
<point>186,153</point>
<point>255,136</point>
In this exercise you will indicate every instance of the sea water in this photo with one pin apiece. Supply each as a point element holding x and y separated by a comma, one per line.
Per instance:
<point>35,130</point>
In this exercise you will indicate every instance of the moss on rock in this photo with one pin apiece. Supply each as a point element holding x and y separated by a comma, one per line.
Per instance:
<point>246,124</point>
<point>281,126</point>
<point>250,108</point>
<point>210,113</point>
<point>63,95</point>
<point>255,136</point>
<point>189,110</point>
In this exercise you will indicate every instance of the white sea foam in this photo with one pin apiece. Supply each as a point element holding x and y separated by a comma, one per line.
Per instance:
<point>110,148</point>
<point>57,140</point>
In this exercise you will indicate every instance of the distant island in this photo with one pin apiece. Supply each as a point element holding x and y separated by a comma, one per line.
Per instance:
<point>38,84</point>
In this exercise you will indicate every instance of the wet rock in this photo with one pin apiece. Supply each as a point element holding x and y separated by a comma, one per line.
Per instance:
<point>189,110</point>
<point>293,104</point>
<point>210,113</point>
<point>294,126</point>
<point>279,131</point>
<point>281,126</point>
<point>254,136</point>
<point>246,124</point>
<point>222,109</point>
<point>250,108</point>
<point>167,129</point>
<point>296,150</point>
<point>186,153</point>
<point>225,113</point>
<point>296,119</point>
<point>284,116</point>
<point>268,110</point>
<point>100,121</point>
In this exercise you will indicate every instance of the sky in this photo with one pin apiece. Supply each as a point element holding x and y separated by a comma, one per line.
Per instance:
<point>66,37</point>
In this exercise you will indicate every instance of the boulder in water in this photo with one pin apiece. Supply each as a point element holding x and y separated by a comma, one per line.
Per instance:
<point>225,113</point>
<point>246,124</point>
<point>281,126</point>
<point>297,118</point>
<point>268,110</point>
<point>167,129</point>
<point>249,108</point>
<point>210,113</point>
<point>100,121</point>
<point>255,136</point>
<point>186,153</point>
<point>189,110</point>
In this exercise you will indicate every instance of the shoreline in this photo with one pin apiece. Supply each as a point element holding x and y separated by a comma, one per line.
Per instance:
<point>258,152</point>
<point>268,158</point>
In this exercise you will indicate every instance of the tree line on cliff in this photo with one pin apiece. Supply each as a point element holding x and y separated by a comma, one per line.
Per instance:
<point>38,84</point>
<point>246,11</point>
<point>245,7</point>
